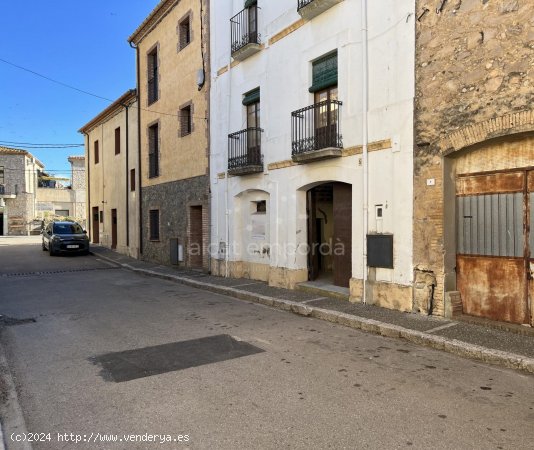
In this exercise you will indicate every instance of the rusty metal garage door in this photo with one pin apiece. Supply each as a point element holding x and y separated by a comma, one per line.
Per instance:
<point>493,245</point>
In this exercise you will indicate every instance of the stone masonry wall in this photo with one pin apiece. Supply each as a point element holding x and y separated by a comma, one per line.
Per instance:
<point>474,68</point>
<point>173,201</point>
<point>17,210</point>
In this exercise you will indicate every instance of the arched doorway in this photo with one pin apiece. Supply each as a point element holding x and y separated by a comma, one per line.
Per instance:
<point>329,223</point>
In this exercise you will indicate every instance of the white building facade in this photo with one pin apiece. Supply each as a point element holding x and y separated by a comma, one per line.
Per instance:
<point>289,168</point>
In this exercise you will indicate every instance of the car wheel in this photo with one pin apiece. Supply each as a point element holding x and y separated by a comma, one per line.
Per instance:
<point>50,251</point>
<point>44,248</point>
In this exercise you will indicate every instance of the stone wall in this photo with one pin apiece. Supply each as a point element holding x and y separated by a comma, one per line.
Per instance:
<point>474,67</point>
<point>173,200</point>
<point>18,211</point>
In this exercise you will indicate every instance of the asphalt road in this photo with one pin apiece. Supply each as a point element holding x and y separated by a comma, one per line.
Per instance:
<point>311,384</point>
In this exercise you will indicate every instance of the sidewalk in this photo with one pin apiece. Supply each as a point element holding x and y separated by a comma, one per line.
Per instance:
<point>475,341</point>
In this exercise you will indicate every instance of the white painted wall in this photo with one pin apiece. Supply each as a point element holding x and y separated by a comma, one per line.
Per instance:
<point>283,72</point>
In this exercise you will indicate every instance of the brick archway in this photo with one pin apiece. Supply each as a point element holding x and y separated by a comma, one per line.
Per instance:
<point>507,125</point>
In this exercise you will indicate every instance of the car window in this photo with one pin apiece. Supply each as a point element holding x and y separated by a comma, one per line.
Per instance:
<point>67,228</point>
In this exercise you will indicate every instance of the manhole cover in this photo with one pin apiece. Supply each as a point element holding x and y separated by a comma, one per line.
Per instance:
<point>144,362</point>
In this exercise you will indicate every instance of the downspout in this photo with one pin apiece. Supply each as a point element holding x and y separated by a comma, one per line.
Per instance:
<point>88,211</point>
<point>104,203</point>
<point>127,179</point>
<point>226,192</point>
<point>208,123</point>
<point>365,136</point>
<point>139,178</point>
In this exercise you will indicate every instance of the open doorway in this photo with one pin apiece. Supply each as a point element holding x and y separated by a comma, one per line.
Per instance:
<point>1,224</point>
<point>329,210</point>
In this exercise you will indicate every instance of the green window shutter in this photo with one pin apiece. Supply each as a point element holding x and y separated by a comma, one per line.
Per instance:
<point>251,97</point>
<point>324,72</point>
<point>249,3</point>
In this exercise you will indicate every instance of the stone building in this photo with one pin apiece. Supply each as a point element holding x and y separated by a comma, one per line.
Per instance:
<point>172,46</point>
<point>294,201</point>
<point>56,201</point>
<point>112,161</point>
<point>473,158</point>
<point>19,172</point>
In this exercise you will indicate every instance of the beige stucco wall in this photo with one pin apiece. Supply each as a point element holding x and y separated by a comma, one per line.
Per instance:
<point>180,157</point>
<point>109,180</point>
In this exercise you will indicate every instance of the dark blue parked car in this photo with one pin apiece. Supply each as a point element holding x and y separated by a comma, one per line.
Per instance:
<point>65,237</point>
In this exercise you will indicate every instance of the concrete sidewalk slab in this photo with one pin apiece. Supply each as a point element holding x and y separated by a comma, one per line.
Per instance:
<point>467,340</point>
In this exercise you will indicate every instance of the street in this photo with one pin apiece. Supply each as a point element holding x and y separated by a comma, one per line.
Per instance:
<point>265,379</point>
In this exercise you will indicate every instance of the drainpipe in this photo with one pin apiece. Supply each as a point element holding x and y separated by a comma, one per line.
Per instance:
<point>104,202</point>
<point>88,211</point>
<point>226,192</point>
<point>127,179</point>
<point>365,136</point>
<point>139,178</point>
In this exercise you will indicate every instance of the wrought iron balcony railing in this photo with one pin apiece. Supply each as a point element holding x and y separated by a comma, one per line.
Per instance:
<point>317,127</point>
<point>303,3</point>
<point>244,30</point>
<point>244,152</point>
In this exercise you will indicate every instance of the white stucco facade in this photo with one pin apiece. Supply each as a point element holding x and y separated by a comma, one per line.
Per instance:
<point>282,69</point>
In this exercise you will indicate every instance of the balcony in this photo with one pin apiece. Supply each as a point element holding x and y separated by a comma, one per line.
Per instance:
<point>244,152</point>
<point>308,9</point>
<point>316,132</point>
<point>244,34</point>
<point>5,192</point>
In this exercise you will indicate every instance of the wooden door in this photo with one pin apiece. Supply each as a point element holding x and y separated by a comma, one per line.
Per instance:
<point>342,245</point>
<point>96,229</point>
<point>113,228</point>
<point>313,241</point>
<point>196,252</point>
<point>492,246</point>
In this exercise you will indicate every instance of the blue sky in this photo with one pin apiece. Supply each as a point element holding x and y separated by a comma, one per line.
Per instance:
<point>81,43</point>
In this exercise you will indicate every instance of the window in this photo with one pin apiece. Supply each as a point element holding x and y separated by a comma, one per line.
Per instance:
<point>62,212</point>
<point>252,103</point>
<point>153,151</point>
<point>132,180</point>
<point>96,152</point>
<point>117,140</point>
<point>324,72</point>
<point>101,216</point>
<point>261,207</point>
<point>154,224</point>
<point>152,67</point>
<point>185,32</point>
<point>186,122</point>
<point>1,174</point>
<point>67,228</point>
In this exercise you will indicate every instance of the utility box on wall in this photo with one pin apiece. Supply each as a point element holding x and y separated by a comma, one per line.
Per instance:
<point>177,253</point>
<point>380,250</point>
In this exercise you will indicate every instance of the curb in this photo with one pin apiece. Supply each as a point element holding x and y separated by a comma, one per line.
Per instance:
<point>12,417</point>
<point>454,346</point>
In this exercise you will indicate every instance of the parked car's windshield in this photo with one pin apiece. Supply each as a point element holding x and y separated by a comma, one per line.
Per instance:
<point>67,228</point>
